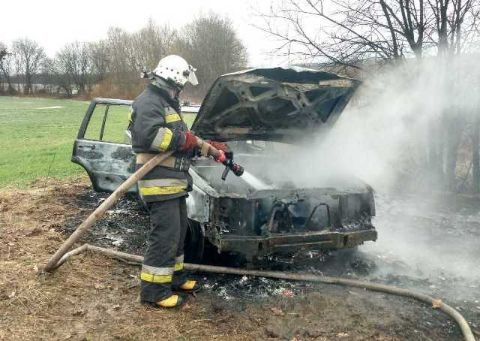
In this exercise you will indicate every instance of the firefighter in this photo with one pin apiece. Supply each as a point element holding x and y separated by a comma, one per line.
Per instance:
<point>157,126</point>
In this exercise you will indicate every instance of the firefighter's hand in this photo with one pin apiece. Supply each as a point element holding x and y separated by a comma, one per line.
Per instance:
<point>190,141</point>
<point>221,158</point>
<point>218,145</point>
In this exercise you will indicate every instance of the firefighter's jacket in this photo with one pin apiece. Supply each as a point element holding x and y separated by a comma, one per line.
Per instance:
<point>157,126</point>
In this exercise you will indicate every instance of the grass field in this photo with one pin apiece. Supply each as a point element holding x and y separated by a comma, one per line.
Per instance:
<point>37,135</point>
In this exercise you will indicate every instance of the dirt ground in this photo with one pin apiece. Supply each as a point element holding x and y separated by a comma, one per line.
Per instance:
<point>95,298</point>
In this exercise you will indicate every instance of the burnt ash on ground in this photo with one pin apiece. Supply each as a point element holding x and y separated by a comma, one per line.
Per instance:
<point>124,227</point>
<point>448,232</point>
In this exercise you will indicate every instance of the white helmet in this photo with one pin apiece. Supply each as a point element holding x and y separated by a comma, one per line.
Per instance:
<point>175,69</point>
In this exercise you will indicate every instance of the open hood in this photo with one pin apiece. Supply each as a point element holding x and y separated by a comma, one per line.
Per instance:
<point>281,104</point>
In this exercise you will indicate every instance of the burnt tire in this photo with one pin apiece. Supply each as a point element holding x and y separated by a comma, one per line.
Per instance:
<point>194,243</point>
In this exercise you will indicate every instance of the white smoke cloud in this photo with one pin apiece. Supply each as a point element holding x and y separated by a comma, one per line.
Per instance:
<point>381,138</point>
<point>382,135</point>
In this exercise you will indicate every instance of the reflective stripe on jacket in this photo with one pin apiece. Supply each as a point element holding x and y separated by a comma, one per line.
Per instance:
<point>157,128</point>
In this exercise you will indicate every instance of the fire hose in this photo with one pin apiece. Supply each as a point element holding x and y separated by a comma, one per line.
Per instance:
<point>435,303</point>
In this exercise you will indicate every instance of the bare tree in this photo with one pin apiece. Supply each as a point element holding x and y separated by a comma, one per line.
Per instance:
<point>152,43</point>
<point>47,76</point>
<point>124,67</point>
<point>211,44</point>
<point>99,59</point>
<point>28,58</point>
<point>56,75</point>
<point>347,32</point>
<point>6,67</point>
<point>455,22</point>
<point>74,61</point>
<point>130,53</point>
<point>121,52</point>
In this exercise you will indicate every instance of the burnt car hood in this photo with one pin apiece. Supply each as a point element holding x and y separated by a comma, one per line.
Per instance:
<point>272,104</point>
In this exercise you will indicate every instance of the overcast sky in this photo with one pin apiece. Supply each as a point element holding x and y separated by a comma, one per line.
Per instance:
<point>52,23</point>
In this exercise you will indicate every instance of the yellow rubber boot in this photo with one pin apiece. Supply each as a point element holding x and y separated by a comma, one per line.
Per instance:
<point>189,286</point>
<point>172,301</point>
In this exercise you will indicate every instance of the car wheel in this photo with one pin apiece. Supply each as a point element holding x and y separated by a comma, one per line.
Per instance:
<point>194,243</point>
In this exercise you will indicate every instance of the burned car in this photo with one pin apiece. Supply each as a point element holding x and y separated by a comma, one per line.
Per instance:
<point>262,114</point>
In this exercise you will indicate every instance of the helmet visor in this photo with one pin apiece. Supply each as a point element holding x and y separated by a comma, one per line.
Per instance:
<point>192,78</point>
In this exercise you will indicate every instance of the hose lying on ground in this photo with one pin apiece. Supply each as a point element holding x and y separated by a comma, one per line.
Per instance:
<point>436,303</point>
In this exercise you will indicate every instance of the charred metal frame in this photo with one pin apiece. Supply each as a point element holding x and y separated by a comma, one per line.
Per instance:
<point>253,246</point>
<point>332,236</point>
<point>91,109</point>
<point>250,90</point>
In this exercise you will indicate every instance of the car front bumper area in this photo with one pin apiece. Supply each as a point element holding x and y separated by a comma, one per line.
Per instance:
<point>258,246</point>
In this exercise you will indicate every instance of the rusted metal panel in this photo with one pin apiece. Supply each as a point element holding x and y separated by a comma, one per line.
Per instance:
<point>257,246</point>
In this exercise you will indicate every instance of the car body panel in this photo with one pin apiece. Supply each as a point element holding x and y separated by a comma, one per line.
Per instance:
<point>107,164</point>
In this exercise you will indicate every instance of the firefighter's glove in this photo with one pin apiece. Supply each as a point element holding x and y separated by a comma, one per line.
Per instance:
<point>221,158</point>
<point>190,141</point>
<point>218,145</point>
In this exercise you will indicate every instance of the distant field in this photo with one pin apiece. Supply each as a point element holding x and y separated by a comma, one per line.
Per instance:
<point>36,138</point>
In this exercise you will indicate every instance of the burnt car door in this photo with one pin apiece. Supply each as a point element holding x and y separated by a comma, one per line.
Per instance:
<point>103,147</point>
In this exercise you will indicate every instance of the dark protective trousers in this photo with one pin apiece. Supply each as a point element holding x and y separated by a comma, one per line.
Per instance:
<point>163,262</point>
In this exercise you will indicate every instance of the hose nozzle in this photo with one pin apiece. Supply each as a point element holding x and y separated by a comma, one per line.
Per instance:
<point>231,166</point>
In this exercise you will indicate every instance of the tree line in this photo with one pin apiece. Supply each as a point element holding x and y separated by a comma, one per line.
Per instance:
<point>112,66</point>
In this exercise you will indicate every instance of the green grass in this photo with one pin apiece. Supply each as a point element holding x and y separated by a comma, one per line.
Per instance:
<point>37,135</point>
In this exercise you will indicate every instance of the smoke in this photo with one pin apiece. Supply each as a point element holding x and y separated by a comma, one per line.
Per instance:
<point>385,134</point>
<point>382,138</point>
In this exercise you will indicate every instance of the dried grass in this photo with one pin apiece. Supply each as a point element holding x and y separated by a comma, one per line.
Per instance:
<point>90,297</point>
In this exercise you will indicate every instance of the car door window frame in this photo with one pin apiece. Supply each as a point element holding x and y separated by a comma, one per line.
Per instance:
<point>90,111</point>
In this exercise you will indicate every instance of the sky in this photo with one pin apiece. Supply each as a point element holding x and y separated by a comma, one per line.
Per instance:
<point>53,23</point>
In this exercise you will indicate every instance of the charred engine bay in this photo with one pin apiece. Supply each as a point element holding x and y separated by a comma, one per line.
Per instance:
<point>427,245</point>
